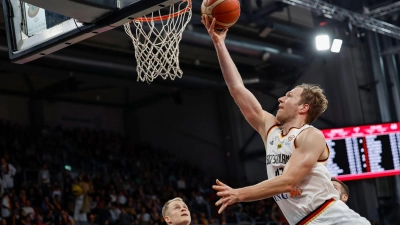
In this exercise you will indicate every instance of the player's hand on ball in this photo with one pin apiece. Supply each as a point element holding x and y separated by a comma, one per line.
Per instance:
<point>210,26</point>
<point>228,195</point>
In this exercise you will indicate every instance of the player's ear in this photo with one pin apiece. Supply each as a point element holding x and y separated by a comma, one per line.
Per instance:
<point>344,197</point>
<point>304,108</point>
<point>167,219</point>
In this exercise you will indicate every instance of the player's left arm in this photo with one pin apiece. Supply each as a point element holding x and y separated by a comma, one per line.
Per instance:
<point>310,144</point>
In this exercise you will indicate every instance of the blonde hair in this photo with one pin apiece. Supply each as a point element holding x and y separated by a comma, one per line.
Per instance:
<point>166,205</point>
<point>314,96</point>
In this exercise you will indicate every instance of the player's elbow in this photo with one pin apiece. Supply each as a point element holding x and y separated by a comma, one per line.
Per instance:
<point>236,90</point>
<point>288,183</point>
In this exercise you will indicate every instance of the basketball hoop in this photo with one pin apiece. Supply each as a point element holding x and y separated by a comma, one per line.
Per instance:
<point>156,41</point>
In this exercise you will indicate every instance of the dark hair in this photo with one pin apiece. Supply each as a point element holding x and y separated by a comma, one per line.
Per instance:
<point>344,187</point>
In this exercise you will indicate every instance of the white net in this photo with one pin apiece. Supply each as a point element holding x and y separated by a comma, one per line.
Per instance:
<point>156,42</point>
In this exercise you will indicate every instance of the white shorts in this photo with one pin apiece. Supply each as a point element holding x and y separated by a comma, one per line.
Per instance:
<point>339,213</point>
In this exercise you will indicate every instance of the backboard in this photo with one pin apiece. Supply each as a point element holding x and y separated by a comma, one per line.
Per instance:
<point>36,28</point>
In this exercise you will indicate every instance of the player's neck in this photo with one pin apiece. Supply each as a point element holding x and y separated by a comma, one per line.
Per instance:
<point>297,123</point>
<point>183,223</point>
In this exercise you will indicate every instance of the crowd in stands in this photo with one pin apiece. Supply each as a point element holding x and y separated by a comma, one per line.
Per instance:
<point>119,184</point>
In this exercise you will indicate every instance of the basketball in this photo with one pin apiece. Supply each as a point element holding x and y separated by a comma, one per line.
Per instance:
<point>225,12</point>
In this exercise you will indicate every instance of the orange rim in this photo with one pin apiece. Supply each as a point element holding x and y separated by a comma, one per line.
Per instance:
<point>166,17</point>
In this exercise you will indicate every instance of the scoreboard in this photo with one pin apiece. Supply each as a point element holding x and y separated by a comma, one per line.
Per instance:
<point>364,151</point>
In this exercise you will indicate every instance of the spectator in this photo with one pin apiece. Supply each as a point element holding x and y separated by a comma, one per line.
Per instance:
<point>155,215</point>
<point>102,214</point>
<point>82,200</point>
<point>203,219</point>
<point>8,172</point>
<point>143,216</point>
<point>22,199</point>
<point>27,208</point>
<point>113,196</point>
<point>38,220</point>
<point>66,177</point>
<point>195,220</point>
<point>57,203</point>
<point>141,189</point>
<point>46,205</point>
<point>24,220</point>
<point>130,209</point>
<point>1,187</point>
<point>44,176</point>
<point>181,184</point>
<point>67,196</point>
<point>124,218</point>
<point>50,218</point>
<point>93,203</point>
<point>92,219</point>
<point>56,191</point>
<point>6,207</point>
<point>261,216</point>
<point>66,219</point>
<point>121,199</point>
<point>115,212</point>
<point>277,215</point>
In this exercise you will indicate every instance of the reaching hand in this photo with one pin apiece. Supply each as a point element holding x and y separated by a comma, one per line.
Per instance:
<point>216,35</point>
<point>228,195</point>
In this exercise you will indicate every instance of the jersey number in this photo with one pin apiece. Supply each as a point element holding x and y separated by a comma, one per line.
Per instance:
<point>279,171</point>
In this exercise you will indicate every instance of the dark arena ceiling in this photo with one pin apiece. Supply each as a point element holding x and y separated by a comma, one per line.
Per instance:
<point>105,63</point>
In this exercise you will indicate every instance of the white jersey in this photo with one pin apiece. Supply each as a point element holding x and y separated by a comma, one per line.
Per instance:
<point>314,193</point>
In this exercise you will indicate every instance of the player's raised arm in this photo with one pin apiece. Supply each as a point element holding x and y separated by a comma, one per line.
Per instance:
<point>259,119</point>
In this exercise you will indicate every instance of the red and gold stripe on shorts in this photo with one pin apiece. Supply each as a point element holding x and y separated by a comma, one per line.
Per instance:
<point>314,214</point>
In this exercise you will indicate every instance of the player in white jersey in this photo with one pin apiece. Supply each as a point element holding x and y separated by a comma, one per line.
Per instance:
<point>298,180</point>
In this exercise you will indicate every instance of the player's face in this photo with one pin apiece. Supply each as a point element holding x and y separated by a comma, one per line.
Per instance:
<point>337,187</point>
<point>343,197</point>
<point>289,105</point>
<point>178,214</point>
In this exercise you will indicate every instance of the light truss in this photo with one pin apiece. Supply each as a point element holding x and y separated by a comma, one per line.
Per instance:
<point>384,10</point>
<point>338,13</point>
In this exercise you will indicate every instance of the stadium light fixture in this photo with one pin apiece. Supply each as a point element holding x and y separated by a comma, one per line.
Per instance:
<point>322,42</point>
<point>336,45</point>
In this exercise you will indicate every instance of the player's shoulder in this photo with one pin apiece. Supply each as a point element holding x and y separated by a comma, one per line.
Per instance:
<point>310,138</point>
<point>311,132</point>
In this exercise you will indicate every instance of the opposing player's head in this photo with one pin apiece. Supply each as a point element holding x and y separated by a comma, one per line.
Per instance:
<point>176,212</point>
<point>341,188</point>
<point>305,100</point>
